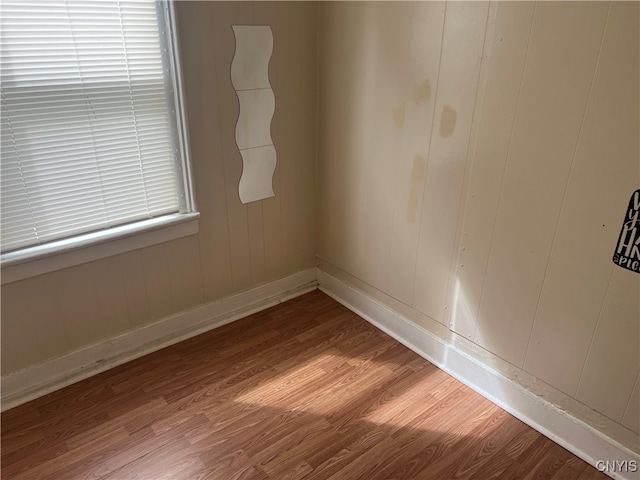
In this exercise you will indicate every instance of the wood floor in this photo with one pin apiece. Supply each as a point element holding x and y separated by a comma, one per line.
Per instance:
<point>305,389</point>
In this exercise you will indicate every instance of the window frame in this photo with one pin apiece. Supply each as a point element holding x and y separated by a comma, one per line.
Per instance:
<point>58,254</point>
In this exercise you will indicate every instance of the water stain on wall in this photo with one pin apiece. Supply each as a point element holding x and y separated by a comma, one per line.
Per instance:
<point>447,121</point>
<point>417,176</point>
<point>422,92</point>
<point>398,115</point>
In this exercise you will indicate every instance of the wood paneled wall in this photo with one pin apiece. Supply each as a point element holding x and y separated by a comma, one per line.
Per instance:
<point>238,246</point>
<point>475,163</point>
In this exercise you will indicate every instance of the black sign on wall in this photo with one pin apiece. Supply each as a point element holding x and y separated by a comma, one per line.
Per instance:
<point>627,254</point>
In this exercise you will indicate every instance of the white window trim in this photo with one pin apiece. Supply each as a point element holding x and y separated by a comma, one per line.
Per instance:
<point>69,252</point>
<point>40,259</point>
<point>188,201</point>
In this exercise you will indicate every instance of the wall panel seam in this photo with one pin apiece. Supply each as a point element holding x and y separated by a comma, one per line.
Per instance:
<point>504,169</point>
<point>593,335</point>
<point>564,194</point>
<point>635,387</point>
<point>216,59</point>
<point>426,170</point>
<point>468,164</point>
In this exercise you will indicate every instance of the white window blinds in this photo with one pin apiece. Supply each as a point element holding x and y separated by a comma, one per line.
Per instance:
<point>86,133</point>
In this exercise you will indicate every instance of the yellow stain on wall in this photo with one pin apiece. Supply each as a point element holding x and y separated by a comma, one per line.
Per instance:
<point>422,92</point>
<point>398,115</point>
<point>447,121</point>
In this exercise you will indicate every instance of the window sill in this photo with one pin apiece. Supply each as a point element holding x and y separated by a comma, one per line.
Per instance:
<point>60,254</point>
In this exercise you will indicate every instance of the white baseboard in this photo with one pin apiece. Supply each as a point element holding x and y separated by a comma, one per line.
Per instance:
<point>42,378</point>
<point>560,426</point>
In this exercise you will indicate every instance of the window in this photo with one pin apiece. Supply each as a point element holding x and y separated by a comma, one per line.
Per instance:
<point>93,139</point>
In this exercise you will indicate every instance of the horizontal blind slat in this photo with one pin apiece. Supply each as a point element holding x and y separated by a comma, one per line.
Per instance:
<point>86,141</point>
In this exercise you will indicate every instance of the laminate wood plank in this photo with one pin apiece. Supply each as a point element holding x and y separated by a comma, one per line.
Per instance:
<point>303,443</point>
<point>132,421</point>
<point>425,432</point>
<point>223,397</point>
<point>571,470</point>
<point>261,429</point>
<point>277,391</point>
<point>235,466</point>
<point>302,390</point>
<point>424,443</point>
<point>51,437</point>
<point>367,439</point>
<point>348,393</point>
<point>417,457</point>
<point>369,460</point>
<point>337,411</point>
<point>21,440</point>
<point>186,466</point>
<point>229,373</point>
<point>145,381</point>
<point>522,443</point>
<point>93,390</point>
<point>403,401</point>
<point>104,463</point>
<point>373,402</point>
<point>528,459</point>
<point>31,457</point>
<point>161,462</point>
<point>52,467</point>
<point>494,469</point>
<point>477,449</point>
<point>123,455</point>
<point>549,465</point>
<point>212,400</point>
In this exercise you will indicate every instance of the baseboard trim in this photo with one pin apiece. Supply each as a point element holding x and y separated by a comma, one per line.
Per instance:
<point>560,426</point>
<point>42,378</point>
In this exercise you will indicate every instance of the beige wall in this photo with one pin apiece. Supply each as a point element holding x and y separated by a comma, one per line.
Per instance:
<point>238,246</point>
<point>475,162</point>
